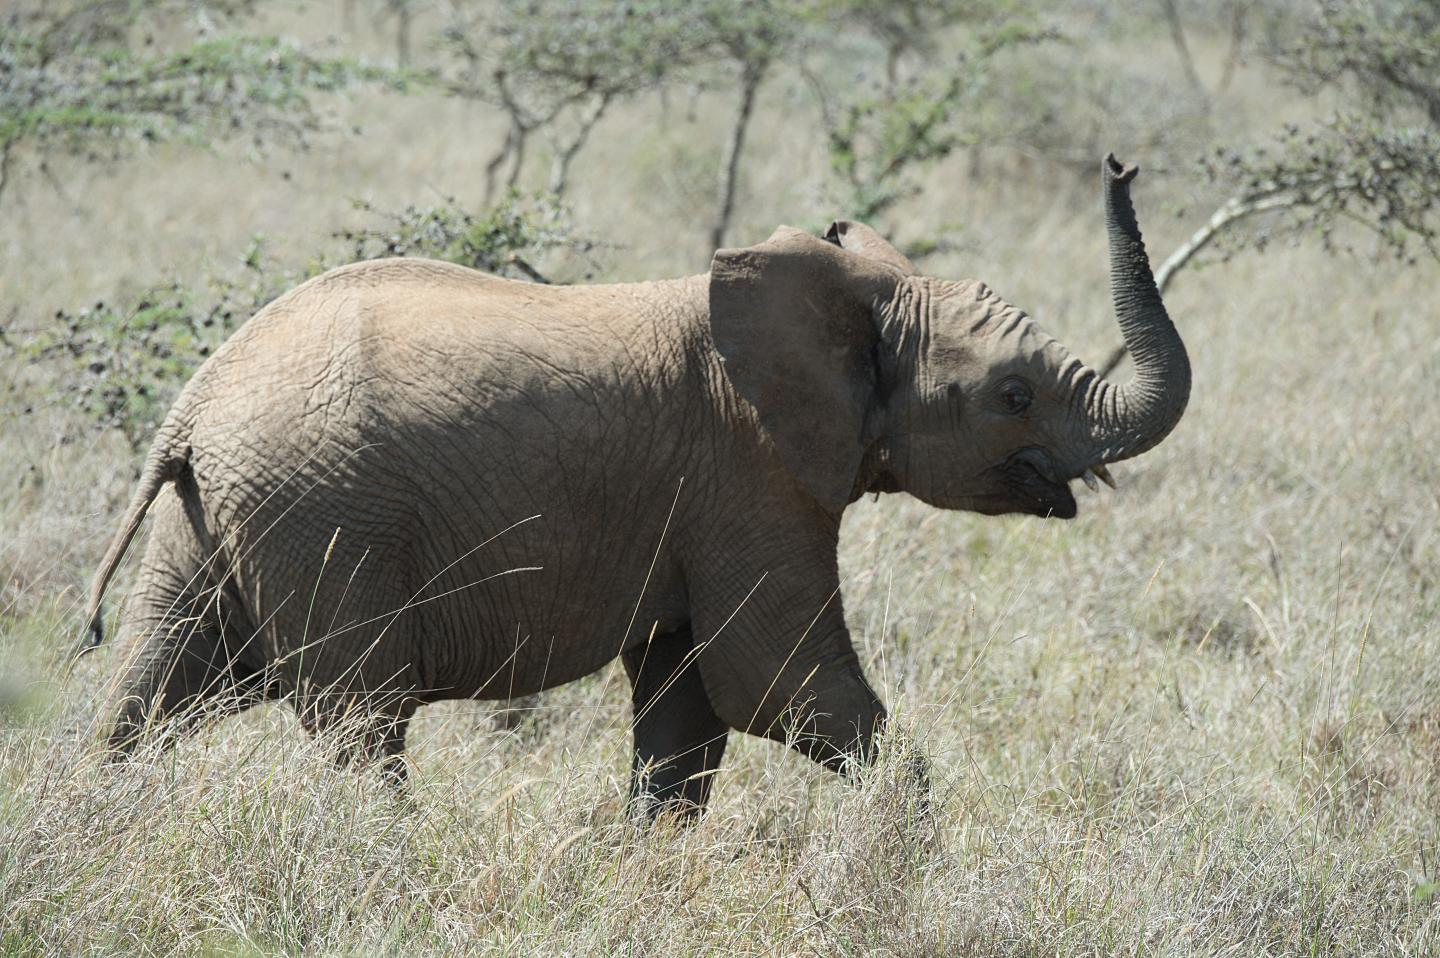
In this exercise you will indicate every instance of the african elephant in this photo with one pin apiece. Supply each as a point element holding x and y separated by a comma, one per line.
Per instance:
<point>407,481</point>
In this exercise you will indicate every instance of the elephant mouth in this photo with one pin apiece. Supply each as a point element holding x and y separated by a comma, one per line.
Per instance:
<point>1035,489</point>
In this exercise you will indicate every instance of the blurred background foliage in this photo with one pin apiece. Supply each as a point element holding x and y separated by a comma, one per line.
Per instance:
<point>890,92</point>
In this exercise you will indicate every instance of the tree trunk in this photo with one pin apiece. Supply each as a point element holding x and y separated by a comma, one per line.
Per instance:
<point>403,18</point>
<point>564,156</point>
<point>492,168</point>
<point>750,79</point>
<point>517,153</point>
<point>1177,35</point>
<point>5,165</point>
<point>1238,12</point>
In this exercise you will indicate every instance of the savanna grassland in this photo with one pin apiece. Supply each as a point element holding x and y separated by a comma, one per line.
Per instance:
<point>1203,718</point>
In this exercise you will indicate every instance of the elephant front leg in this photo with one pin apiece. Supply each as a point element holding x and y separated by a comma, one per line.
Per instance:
<point>776,658</point>
<point>679,740</point>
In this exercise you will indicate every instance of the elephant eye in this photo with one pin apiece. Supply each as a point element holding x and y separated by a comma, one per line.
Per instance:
<point>1015,396</point>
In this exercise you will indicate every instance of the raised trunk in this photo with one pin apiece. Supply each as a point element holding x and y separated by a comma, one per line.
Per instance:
<point>1128,419</point>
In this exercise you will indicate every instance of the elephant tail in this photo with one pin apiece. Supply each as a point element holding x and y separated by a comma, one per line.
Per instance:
<point>168,461</point>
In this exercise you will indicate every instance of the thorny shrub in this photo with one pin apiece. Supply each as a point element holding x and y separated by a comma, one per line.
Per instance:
<point>120,363</point>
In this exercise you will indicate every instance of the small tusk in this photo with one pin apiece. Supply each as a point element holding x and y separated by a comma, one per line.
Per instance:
<point>1103,474</point>
<point>1089,479</point>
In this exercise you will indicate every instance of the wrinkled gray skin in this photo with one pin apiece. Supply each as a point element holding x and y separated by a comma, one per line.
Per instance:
<point>420,482</point>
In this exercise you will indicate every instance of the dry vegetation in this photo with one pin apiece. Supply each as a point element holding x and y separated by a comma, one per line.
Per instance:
<point>1203,718</point>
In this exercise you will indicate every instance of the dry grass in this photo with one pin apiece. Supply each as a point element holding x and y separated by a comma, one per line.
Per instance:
<point>1201,719</point>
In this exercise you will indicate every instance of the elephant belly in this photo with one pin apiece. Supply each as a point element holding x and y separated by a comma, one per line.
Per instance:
<point>533,608</point>
<point>384,593</point>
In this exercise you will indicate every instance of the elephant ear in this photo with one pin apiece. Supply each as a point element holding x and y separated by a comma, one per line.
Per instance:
<point>861,239</point>
<point>793,321</point>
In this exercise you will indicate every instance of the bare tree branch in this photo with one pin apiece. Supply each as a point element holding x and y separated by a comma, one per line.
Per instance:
<point>523,265</point>
<point>565,154</point>
<point>492,167</point>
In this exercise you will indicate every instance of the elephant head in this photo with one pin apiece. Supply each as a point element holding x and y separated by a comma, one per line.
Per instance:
<point>870,378</point>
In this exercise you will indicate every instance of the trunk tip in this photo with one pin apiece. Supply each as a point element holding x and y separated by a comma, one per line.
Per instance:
<point>1118,172</point>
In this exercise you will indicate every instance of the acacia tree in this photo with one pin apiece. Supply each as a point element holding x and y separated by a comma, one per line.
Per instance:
<point>556,66</point>
<point>82,79</point>
<point>908,29</point>
<point>1374,164</point>
<point>880,135</point>
<point>1236,14</point>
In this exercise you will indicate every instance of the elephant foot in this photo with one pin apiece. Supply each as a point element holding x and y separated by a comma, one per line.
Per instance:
<point>175,677</point>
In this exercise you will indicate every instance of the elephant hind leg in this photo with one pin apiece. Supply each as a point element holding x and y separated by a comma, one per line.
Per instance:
<point>184,658</point>
<point>176,674</point>
<point>679,740</point>
<point>361,731</point>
